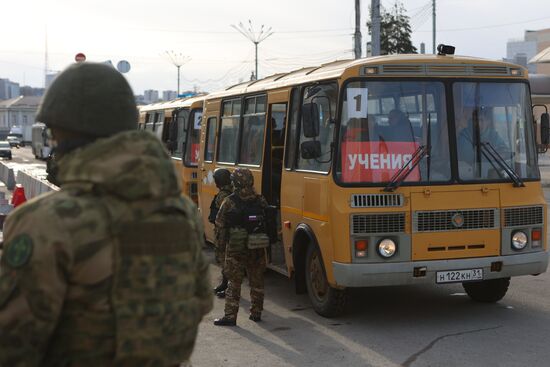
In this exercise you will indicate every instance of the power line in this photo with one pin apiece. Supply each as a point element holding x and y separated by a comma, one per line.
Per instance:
<point>421,16</point>
<point>146,29</point>
<point>489,26</point>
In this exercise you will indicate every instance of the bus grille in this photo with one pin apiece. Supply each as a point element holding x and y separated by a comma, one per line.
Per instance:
<point>376,200</point>
<point>444,69</point>
<point>378,223</point>
<point>455,220</point>
<point>402,69</point>
<point>523,216</point>
<point>490,70</point>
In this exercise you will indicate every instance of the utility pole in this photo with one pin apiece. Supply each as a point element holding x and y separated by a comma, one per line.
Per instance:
<point>357,37</point>
<point>375,31</point>
<point>254,37</point>
<point>177,59</point>
<point>433,25</point>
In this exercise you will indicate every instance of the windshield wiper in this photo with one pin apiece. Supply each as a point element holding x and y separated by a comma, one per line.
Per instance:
<point>493,155</point>
<point>407,168</point>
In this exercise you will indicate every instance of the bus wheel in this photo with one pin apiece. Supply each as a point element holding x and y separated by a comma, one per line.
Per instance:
<point>327,301</point>
<point>488,291</point>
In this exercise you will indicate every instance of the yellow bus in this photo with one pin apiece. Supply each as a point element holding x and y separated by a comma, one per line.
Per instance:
<point>540,96</point>
<point>177,124</point>
<point>391,170</point>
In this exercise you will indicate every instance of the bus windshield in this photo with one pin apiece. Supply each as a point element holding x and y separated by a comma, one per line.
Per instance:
<point>385,124</point>
<point>494,117</point>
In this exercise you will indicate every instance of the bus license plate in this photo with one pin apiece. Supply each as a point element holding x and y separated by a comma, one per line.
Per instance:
<point>454,276</point>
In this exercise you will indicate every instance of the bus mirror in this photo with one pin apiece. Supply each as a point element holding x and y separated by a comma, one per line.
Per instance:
<point>310,120</point>
<point>544,129</point>
<point>310,149</point>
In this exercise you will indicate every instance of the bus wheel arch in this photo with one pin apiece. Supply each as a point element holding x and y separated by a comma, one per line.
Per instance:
<point>310,274</point>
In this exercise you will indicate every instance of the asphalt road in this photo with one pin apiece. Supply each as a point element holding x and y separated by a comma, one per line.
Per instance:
<point>24,155</point>
<point>386,326</point>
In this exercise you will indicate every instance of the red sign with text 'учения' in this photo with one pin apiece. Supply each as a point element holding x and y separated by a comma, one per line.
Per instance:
<point>376,161</point>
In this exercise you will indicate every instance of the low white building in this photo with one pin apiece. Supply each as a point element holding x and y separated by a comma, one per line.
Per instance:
<point>18,112</point>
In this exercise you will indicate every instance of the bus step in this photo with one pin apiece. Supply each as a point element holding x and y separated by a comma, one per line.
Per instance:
<point>279,268</point>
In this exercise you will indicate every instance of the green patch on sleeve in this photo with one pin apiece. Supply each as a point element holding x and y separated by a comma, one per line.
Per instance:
<point>19,251</point>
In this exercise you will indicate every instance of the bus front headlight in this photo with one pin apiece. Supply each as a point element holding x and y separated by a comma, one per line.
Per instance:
<point>387,248</point>
<point>519,240</point>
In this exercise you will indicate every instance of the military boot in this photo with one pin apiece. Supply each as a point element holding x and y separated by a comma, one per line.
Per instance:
<point>255,317</point>
<point>222,286</point>
<point>225,321</point>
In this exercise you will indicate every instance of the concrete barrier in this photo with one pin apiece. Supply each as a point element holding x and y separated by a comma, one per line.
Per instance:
<point>33,179</point>
<point>34,182</point>
<point>7,175</point>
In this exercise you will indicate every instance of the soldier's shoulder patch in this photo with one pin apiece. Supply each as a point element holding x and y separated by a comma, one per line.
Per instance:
<point>19,250</point>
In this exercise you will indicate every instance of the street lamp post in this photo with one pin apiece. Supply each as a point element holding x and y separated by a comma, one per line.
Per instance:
<point>254,37</point>
<point>177,59</point>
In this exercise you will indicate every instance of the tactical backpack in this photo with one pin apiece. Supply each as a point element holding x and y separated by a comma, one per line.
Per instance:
<point>247,222</point>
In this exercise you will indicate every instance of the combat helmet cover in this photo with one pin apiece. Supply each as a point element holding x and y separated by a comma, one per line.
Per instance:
<point>222,177</point>
<point>242,178</point>
<point>89,98</point>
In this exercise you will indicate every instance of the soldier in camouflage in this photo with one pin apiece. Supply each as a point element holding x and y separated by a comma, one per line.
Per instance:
<point>239,257</point>
<point>107,271</point>
<point>222,178</point>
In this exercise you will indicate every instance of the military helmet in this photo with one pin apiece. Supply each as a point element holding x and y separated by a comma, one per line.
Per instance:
<point>89,98</point>
<point>222,177</point>
<point>242,178</point>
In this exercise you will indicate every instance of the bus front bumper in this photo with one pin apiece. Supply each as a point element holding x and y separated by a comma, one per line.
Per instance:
<point>370,275</point>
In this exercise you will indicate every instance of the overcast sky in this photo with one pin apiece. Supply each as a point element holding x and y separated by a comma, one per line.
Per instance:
<point>306,32</point>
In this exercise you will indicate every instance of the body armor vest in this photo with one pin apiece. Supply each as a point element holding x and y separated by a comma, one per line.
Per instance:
<point>154,309</point>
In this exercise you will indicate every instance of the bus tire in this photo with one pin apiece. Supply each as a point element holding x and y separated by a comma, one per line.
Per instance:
<point>488,291</point>
<point>327,301</point>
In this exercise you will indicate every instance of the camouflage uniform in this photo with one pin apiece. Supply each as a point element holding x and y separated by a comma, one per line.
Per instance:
<point>236,262</point>
<point>108,271</point>
<point>219,251</point>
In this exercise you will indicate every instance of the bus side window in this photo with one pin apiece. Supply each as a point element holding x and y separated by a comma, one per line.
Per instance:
<point>159,124</point>
<point>253,131</point>
<point>324,96</point>
<point>149,121</point>
<point>290,154</point>
<point>209,146</point>
<point>172,142</point>
<point>229,132</point>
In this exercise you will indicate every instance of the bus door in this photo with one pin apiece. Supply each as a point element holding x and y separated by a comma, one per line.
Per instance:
<point>207,187</point>
<point>272,172</point>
